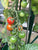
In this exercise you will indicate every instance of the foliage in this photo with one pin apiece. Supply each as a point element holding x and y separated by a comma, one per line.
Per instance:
<point>31,47</point>
<point>34,5</point>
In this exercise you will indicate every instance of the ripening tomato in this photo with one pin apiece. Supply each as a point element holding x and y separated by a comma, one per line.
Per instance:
<point>21,35</point>
<point>10,20</point>
<point>22,14</point>
<point>13,39</point>
<point>9,27</point>
<point>20,28</point>
<point>23,4</point>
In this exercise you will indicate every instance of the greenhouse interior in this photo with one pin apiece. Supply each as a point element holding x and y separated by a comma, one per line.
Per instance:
<point>18,24</point>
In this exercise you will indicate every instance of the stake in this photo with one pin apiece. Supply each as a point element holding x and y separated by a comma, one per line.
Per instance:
<point>16,4</point>
<point>20,5</point>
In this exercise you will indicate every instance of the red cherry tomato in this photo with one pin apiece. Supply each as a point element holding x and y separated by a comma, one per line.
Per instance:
<point>10,20</point>
<point>9,27</point>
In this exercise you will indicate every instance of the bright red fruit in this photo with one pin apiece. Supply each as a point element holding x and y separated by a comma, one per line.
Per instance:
<point>10,20</point>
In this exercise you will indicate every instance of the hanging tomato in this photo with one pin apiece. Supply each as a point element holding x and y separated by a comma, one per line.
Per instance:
<point>9,27</point>
<point>21,35</point>
<point>5,3</point>
<point>22,14</point>
<point>10,20</point>
<point>13,39</point>
<point>23,4</point>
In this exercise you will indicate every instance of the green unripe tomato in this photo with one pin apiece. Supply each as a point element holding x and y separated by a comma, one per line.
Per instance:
<point>23,4</point>
<point>22,14</point>
<point>13,39</point>
<point>34,8</point>
<point>12,47</point>
<point>21,35</point>
<point>22,43</point>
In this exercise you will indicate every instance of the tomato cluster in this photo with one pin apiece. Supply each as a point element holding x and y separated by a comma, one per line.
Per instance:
<point>17,32</point>
<point>10,22</point>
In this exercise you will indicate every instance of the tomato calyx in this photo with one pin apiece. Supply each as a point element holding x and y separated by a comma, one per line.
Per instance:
<point>20,28</point>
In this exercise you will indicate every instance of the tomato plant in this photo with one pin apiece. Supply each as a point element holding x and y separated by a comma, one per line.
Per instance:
<point>14,22</point>
<point>9,27</point>
<point>10,20</point>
